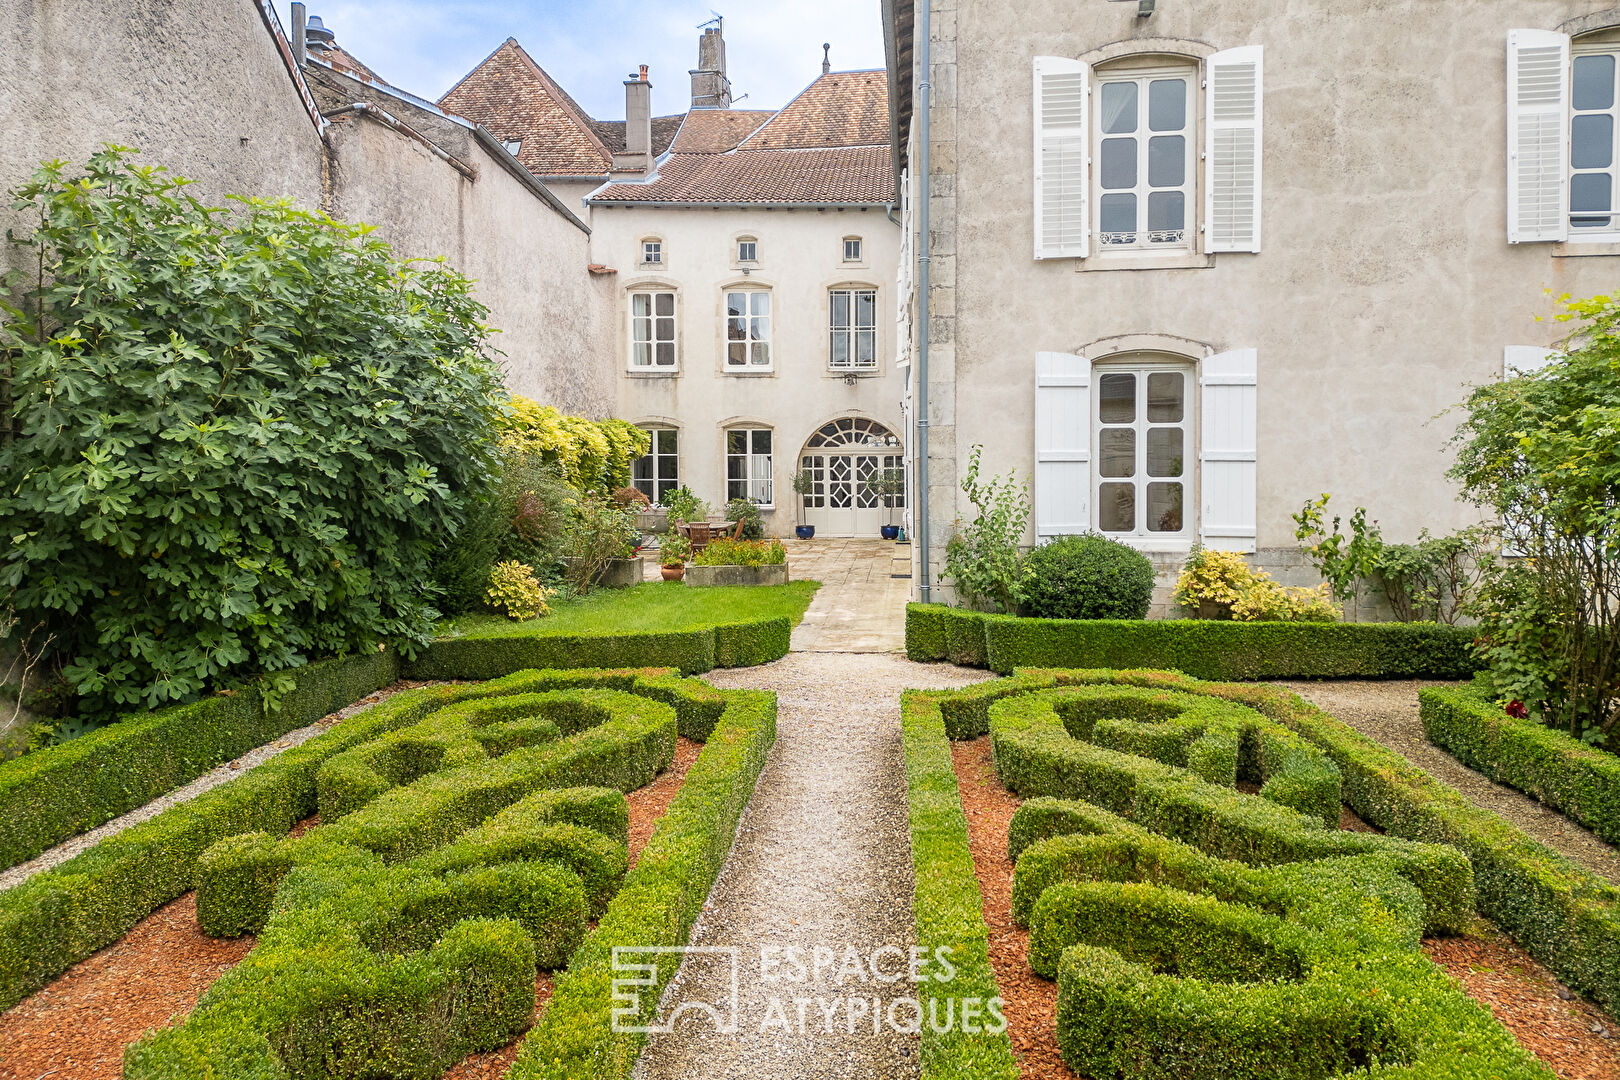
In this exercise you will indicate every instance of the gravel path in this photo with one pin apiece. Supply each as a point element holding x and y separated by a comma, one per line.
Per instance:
<point>820,860</point>
<point>1387,712</point>
<point>64,851</point>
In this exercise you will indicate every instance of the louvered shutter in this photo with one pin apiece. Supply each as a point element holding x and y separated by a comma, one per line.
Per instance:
<point>1526,359</point>
<point>1227,450</point>
<point>1062,158</point>
<point>1538,136</point>
<point>1234,107</point>
<point>1062,444</point>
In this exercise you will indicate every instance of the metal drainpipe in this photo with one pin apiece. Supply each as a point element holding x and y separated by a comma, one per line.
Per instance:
<point>924,244</point>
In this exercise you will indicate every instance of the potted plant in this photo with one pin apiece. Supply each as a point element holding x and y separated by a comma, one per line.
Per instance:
<point>804,482</point>
<point>672,557</point>
<point>885,484</point>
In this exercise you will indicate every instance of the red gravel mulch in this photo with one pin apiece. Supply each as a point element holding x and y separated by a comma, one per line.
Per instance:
<point>77,1027</point>
<point>1573,1037</point>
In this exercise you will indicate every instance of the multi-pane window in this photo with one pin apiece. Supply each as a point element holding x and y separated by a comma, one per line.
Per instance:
<point>652,330</point>
<point>747,250</point>
<point>1592,176</point>
<point>852,249</point>
<point>1144,161</point>
<point>748,465</point>
<point>1143,430</point>
<point>657,472</point>
<point>652,252</point>
<point>853,319</point>
<point>748,330</point>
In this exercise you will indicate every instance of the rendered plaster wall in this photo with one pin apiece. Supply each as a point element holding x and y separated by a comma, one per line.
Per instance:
<point>195,85</point>
<point>1386,286</point>
<point>528,260</point>
<point>800,260</point>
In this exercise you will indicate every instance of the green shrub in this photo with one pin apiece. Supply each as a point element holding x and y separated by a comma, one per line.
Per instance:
<point>1086,577</point>
<point>590,455</point>
<point>746,513</point>
<point>945,901</point>
<point>981,557</point>
<point>1579,781</point>
<point>1202,648</point>
<point>657,906</point>
<point>241,460</point>
<point>57,793</point>
<point>514,589</point>
<point>724,552</point>
<point>684,505</point>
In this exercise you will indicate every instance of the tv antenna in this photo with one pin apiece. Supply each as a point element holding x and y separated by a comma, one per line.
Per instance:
<point>718,22</point>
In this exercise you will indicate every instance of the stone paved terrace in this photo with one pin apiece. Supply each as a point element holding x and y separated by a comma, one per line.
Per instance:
<point>861,605</point>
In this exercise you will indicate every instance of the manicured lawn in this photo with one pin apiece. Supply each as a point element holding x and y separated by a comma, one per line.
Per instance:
<point>665,605</point>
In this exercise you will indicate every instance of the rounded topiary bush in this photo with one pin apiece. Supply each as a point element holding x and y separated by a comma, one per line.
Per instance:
<point>1086,577</point>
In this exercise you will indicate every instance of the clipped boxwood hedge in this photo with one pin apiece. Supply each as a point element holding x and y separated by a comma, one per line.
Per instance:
<point>1205,649</point>
<point>54,794</point>
<point>657,906</point>
<point>946,902</point>
<point>692,652</point>
<point>1579,781</point>
<point>406,934</point>
<point>59,917</point>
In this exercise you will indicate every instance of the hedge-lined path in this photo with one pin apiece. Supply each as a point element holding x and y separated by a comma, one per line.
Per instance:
<point>223,774</point>
<point>819,860</point>
<point>861,605</point>
<point>1387,712</point>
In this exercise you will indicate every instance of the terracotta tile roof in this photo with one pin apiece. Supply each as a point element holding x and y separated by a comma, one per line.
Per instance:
<point>714,131</point>
<point>845,108</point>
<point>829,175</point>
<point>510,96</point>
<point>611,132</point>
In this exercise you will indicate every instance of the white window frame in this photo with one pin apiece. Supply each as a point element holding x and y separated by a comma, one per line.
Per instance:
<point>1581,234</point>
<point>757,480</point>
<point>854,331</point>
<point>658,460</point>
<point>747,249</point>
<point>652,251</point>
<point>859,248</point>
<point>651,320</point>
<point>1140,536</point>
<point>751,327</point>
<point>1143,76</point>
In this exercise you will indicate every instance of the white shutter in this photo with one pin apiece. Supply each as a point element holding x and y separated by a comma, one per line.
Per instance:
<point>1234,106</point>
<point>1062,445</point>
<point>1526,359</point>
<point>1537,134</point>
<point>1227,450</point>
<point>1062,158</point>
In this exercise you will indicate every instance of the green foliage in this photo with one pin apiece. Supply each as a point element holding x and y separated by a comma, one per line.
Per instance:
<point>1266,601</point>
<point>238,436</point>
<point>945,901</point>
<point>524,518</point>
<point>1204,648</point>
<point>512,587</point>
<point>744,512</point>
<point>592,455</point>
<point>1085,577</point>
<point>659,903</point>
<point>982,559</point>
<point>724,552</point>
<point>683,505</point>
<point>597,533</point>
<point>1432,580</point>
<point>1220,578</point>
<point>804,482</point>
<point>58,792</point>
<point>1578,781</point>
<point>676,549</point>
<point>1538,453</point>
<point>886,485</point>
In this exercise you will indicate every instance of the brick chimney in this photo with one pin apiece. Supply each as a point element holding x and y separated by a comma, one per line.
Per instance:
<point>710,87</point>
<point>638,155</point>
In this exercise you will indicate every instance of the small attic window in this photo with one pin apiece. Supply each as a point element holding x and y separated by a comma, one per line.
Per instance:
<point>852,249</point>
<point>652,253</point>
<point>513,146</point>
<point>747,249</point>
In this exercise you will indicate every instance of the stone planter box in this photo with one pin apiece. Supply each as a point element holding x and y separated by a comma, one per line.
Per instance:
<point>700,576</point>
<point>618,574</point>
<point>652,521</point>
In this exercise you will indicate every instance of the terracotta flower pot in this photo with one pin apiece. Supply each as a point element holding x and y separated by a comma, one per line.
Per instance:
<point>673,573</point>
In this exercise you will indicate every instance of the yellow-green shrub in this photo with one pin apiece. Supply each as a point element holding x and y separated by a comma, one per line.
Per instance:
<point>512,586</point>
<point>1220,577</point>
<point>1267,601</point>
<point>594,455</point>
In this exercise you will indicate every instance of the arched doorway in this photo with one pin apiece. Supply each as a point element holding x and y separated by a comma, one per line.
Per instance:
<point>840,457</point>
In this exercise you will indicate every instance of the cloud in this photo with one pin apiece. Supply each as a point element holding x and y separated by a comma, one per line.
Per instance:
<point>773,46</point>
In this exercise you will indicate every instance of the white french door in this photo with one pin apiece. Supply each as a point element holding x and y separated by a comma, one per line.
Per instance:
<point>841,458</point>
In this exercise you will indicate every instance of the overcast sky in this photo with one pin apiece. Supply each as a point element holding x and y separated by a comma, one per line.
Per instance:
<point>773,47</point>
